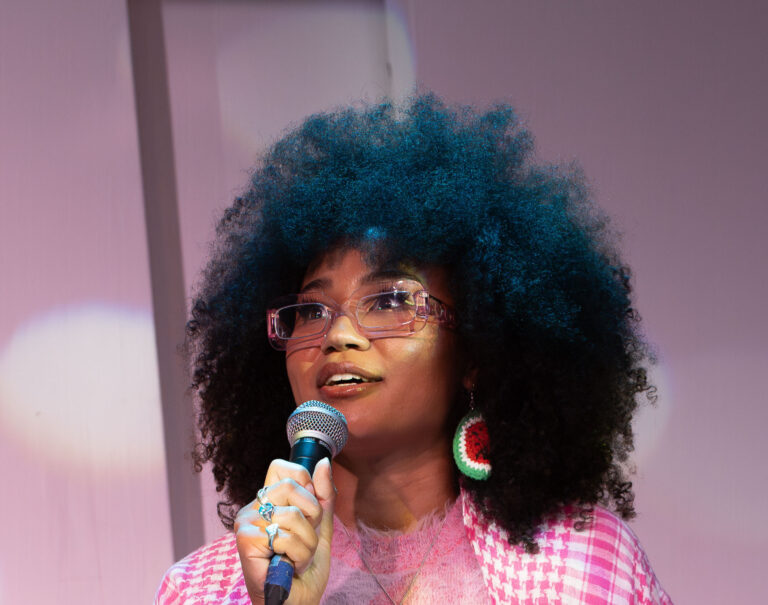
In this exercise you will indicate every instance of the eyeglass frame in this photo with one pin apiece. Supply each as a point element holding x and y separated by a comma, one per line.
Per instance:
<point>427,306</point>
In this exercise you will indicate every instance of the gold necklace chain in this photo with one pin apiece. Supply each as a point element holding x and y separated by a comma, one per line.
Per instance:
<point>415,575</point>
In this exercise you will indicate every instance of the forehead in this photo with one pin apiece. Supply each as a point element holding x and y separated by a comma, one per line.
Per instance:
<point>339,272</point>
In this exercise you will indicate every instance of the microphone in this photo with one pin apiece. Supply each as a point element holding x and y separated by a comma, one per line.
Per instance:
<point>315,431</point>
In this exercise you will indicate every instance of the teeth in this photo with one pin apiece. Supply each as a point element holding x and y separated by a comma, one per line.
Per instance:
<point>341,378</point>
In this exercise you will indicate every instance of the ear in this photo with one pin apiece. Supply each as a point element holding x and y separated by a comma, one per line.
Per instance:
<point>470,377</point>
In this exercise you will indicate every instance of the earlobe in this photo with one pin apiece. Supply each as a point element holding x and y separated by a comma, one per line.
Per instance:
<point>470,377</point>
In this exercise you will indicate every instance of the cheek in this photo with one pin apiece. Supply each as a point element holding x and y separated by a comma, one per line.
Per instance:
<point>423,364</point>
<point>298,366</point>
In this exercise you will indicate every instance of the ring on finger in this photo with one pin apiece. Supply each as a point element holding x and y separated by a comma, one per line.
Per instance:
<point>266,511</point>
<point>271,530</point>
<point>261,496</point>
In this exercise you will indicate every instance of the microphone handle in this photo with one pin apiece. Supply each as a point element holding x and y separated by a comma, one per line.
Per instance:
<point>307,452</point>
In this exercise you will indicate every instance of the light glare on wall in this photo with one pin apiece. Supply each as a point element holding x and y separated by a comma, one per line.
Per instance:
<point>79,387</point>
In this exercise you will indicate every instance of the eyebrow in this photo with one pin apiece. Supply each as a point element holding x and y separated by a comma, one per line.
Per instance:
<point>323,283</point>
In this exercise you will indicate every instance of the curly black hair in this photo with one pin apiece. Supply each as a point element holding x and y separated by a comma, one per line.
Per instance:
<point>543,305</point>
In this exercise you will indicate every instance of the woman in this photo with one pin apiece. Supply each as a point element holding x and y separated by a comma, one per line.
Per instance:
<point>440,274</point>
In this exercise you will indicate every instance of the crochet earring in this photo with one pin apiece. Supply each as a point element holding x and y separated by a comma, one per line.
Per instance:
<point>471,444</point>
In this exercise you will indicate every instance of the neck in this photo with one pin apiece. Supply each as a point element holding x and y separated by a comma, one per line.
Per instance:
<point>396,490</point>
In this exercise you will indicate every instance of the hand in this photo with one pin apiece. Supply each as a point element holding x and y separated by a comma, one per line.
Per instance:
<point>304,512</point>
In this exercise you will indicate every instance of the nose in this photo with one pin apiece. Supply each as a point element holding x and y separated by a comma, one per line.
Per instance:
<point>343,335</point>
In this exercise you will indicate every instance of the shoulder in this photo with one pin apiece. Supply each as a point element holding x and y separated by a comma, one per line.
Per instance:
<point>599,562</point>
<point>211,571</point>
<point>603,561</point>
<point>602,539</point>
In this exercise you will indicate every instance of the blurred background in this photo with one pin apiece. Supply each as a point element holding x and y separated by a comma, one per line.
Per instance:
<point>127,126</point>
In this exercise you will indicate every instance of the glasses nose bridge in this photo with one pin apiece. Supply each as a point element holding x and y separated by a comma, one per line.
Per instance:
<point>345,309</point>
<point>342,336</point>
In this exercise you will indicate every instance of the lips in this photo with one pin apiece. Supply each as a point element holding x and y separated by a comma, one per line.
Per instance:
<point>334,375</point>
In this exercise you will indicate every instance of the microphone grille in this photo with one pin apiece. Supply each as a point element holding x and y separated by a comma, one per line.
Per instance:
<point>321,421</point>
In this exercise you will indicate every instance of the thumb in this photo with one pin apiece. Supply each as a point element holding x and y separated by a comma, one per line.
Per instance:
<point>325,492</point>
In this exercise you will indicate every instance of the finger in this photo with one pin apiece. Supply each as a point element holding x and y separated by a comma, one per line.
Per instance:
<point>282,469</point>
<point>287,492</point>
<point>253,544</point>
<point>325,490</point>
<point>248,515</point>
<point>254,554</point>
<point>326,494</point>
<point>291,545</point>
<point>289,518</point>
<point>292,521</point>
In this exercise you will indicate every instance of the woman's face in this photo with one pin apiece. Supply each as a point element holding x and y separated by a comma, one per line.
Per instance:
<point>410,381</point>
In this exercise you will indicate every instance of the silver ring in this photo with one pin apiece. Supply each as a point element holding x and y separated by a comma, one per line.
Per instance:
<point>266,510</point>
<point>261,496</point>
<point>271,533</point>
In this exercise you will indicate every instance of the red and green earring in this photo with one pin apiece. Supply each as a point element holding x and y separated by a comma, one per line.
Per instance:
<point>471,444</point>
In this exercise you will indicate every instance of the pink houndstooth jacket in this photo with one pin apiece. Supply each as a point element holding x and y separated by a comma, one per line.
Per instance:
<point>601,564</point>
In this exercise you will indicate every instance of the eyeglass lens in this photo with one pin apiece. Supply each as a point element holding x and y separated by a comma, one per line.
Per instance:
<point>379,311</point>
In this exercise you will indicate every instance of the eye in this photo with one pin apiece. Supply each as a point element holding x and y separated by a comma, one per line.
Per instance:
<point>309,312</point>
<point>389,301</point>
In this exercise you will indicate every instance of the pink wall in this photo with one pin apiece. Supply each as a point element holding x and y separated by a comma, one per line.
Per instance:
<point>662,104</point>
<point>84,507</point>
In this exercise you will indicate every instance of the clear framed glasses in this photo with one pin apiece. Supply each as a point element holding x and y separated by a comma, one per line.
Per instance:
<point>380,309</point>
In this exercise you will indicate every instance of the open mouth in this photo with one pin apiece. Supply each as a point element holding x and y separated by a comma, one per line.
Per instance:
<point>338,379</point>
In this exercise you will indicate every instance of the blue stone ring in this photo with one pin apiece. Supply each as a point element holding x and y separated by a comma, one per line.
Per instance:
<point>266,510</point>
